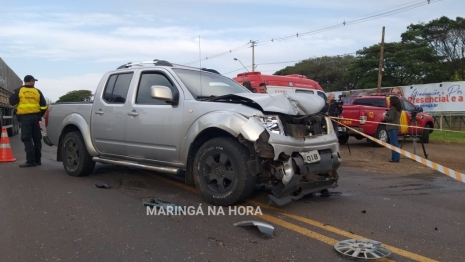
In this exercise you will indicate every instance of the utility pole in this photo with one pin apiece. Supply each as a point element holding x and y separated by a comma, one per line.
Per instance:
<point>253,54</point>
<point>380,69</point>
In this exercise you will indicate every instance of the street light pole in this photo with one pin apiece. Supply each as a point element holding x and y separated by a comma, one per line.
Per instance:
<point>241,64</point>
<point>253,54</point>
<point>381,66</point>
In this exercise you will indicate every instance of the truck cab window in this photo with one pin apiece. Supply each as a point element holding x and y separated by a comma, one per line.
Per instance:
<point>117,87</point>
<point>370,102</point>
<point>147,80</point>
<point>407,105</point>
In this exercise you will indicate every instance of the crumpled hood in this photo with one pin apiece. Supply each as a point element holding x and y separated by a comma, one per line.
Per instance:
<point>287,103</point>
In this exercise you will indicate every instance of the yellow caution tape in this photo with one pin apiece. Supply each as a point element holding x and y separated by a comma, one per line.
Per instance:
<point>390,124</point>
<point>446,171</point>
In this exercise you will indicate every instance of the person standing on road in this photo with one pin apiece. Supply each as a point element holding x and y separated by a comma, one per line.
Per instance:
<point>392,116</point>
<point>30,107</point>
<point>332,109</point>
<point>263,89</point>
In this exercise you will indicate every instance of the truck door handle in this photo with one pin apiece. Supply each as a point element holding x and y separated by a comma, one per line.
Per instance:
<point>100,112</point>
<point>133,113</point>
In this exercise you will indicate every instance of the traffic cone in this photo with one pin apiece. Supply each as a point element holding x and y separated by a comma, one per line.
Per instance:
<point>6,155</point>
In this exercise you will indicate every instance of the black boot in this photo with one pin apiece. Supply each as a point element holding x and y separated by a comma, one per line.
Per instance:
<point>27,165</point>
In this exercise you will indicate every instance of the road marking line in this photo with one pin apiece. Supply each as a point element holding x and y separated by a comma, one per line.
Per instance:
<point>341,232</point>
<point>308,232</point>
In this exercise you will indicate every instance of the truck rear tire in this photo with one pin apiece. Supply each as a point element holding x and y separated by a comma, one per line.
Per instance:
<point>76,159</point>
<point>221,172</point>
<point>381,134</point>
<point>425,134</point>
<point>14,129</point>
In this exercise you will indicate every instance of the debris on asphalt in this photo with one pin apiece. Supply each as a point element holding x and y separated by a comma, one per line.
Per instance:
<point>218,242</point>
<point>364,211</point>
<point>156,202</point>
<point>362,248</point>
<point>264,228</point>
<point>436,228</point>
<point>103,186</point>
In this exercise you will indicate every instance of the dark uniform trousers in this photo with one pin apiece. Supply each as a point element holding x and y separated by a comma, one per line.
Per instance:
<point>31,136</point>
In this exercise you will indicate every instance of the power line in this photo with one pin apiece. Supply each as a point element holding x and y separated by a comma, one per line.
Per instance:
<point>372,16</point>
<point>239,48</point>
<point>408,6</point>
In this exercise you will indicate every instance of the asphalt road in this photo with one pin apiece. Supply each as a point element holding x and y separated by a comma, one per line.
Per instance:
<point>46,215</point>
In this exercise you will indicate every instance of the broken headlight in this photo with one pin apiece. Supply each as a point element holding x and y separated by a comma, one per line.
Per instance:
<point>329,125</point>
<point>272,123</point>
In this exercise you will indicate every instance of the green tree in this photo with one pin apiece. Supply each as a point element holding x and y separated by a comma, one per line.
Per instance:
<point>328,71</point>
<point>403,64</point>
<point>76,96</point>
<point>447,37</point>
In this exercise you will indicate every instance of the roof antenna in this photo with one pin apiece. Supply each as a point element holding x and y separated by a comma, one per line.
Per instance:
<point>200,55</point>
<point>200,68</point>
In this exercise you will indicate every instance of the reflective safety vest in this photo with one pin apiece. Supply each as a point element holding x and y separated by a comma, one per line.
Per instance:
<point>29,101</point>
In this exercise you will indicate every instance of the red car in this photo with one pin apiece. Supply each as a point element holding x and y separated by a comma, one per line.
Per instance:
<point>365,114</point>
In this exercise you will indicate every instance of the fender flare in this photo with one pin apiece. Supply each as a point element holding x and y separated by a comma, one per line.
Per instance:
<point>231,122</point>
<point>78,121</point>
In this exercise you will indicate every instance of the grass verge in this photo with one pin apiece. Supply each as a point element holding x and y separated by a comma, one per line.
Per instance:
<point>447,137</point>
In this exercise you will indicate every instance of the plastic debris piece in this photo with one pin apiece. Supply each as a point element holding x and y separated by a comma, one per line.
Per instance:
<point>103,186</point>
<point>156,202</point>
<point>362,248</point>
<point>264,228</point>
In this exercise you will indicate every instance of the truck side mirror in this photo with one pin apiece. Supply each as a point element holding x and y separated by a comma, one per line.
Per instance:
<point>161,92</point>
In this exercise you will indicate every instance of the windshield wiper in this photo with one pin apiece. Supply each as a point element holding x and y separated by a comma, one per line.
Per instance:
<point>205,98</point>
<point>214,98</point>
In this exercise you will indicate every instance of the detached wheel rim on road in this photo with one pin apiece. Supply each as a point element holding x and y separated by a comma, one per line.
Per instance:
<point>362,249</point>
<point>219,174</point>
<point>72,154</point>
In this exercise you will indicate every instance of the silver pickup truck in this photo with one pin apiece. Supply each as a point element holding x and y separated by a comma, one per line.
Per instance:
<point>195,122</point>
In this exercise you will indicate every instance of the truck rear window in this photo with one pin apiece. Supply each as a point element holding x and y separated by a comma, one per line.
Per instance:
<point>378,102</point>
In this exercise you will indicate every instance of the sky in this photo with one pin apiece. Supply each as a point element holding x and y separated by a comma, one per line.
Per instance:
<point>69,45</point>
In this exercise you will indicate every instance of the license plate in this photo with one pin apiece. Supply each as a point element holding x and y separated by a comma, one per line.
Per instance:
<point>341,128</point>
<point>311,156</point>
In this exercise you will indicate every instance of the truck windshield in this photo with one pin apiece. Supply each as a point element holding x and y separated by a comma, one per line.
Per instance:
<point>206,84</point>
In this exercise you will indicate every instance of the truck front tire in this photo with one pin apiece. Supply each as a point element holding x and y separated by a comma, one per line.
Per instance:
<point>76,159</point>
<point>221,172</point>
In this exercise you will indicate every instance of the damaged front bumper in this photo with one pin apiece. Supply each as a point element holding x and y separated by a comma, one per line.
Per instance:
<point>300,177</point>
<point>298,165</point>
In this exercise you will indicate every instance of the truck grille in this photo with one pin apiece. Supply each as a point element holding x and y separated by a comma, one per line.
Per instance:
<point>296,130</point>
<point>304,126</point>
